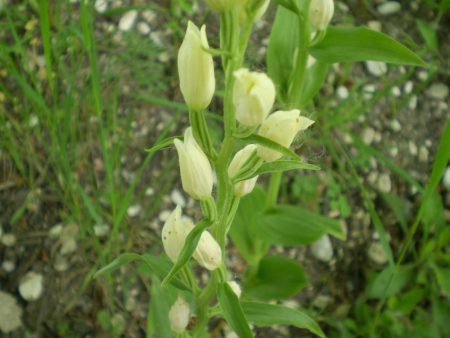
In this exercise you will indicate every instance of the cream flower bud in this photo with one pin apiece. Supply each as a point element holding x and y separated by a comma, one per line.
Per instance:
<point>179,315</point>
<point>176,228</point>
<point>235,287</point>
<point>196,69</point>
<point>221,5</point>
<point>195,169</point>
<point>320,13</point>
<point>242,188</point>
<point>281,127</point>
<point>208,253</point>
<point>253,97</point>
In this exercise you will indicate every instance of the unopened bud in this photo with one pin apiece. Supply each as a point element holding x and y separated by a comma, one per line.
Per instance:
<point>196,69</point>
<point>281,127</point>
<point>208,253</point>
<point>195,169</point>
<point>179,315</point>
<point>245,187</point>
<point>320,13</point>
<point>235,287</point>
<point>253,97</point>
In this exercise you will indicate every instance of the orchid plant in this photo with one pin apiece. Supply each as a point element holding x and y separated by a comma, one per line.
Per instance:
<point>257,140</point>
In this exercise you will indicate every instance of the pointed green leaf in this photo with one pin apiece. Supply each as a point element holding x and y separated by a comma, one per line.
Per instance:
<point>389,282</point>
<point>122,259</point>
<point>314,79</point>
<point>443,278</point>
<point>277,277</point>
<point>167,142</point>
<point>258,139</point>
<point>188,249</point>
<point>294,225</point>
<point>232,311</point>
<point>262,314</point>
<point>362,44</point>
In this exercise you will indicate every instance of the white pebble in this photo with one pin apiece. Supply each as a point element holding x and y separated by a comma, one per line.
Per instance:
<point>8,239</point>
<point>55,231</point>
<point>127,20</point>
<point>8,266</point>
<point>148,15</point>
<point>34,121</point>
<point>375,25</point>
<point>413,102</point>
<point>101,6</point>
<point>31,286</point>
<point>423,154</point>
<point>389,8</point>
<point>61,264</point>
<point>149,192</point>
<point>438,91</point>
<point>322,249</point>
<point>134,210</point>
<point>376,68</point>
<point>143,28</point>
<point>164,215</point>
<point>368,91</point>
<point>408,88</point>
<point>393,151</point>
<point>384,183</point>
<point>376,253</point>
<point>412,148</point>
<point>10,313</point>
<point>368,135</point>
<point>446,179</point>
<point>342,92</point>
<point>69,246</point>
<point>101,230</point>
<point>396,91</point>
<point>395,125</point>
<point>177,197</point>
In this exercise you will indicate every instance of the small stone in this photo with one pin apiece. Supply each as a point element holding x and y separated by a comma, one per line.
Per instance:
<point>101,230</point>
<point>69,246</point>
<point>134,210</point>
<point>376,253</point>
<point>389,8</point>
<point>393,151</point>
<point>55,231</point>
<point>384,183</point>
<point>376,68</point>
<point>372,177</point>
<point>396,91</point>
<point>342,92</point>
<point>101,5</point>
<point>149,192</point>
<point>10,313</point>
<point>31,286</point>
<point>412,148</point>
<point>127,20</point>
<point>143,28</point>
<point>368,135</point>
<point>438,91</point>
<point>322,301</point>
<point>8,266</point>
<point>395,125</point>
<point>33,121</point>
<point>322,249</point>
<point>375,25</point>
<point>368,91</point>
<point>422,75</point>
<point>61,264</point>
<point>148,15</point>
<point>408,88</point>
<point>164,215</point>
<point>8,239</point>
<point>412,102</point>
<point>446,179</point>
<point>178,198</point>
<point>164,57</point>
<point>423,154</point>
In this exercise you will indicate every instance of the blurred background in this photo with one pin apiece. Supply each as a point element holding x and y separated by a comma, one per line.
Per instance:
<point>86,88</point>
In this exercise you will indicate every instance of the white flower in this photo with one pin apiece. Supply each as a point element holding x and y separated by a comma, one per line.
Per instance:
<point>176,228</point>
<point>196,69</point>
<point>235,287</point>
<point>179,315</point>
<point>195,169</point>
<point>245,187</point>
<point>253,97</point>
<point>281,127</point>
<point>320,13</point>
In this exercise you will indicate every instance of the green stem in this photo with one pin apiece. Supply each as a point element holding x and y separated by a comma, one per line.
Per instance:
<point>274,187</point>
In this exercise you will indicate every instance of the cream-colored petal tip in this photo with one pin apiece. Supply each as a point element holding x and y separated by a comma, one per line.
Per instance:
<point>305,122</point>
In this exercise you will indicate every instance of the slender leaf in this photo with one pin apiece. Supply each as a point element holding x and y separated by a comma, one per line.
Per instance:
<point>443,278</point>
<point>389,282</point>
<point>122,259</point>
<point>362,44</point>
<point>271,144</point>
<point>262,314</point>
<point>428,32</point>
<point>294,225</point>
<point>314,79</point>
<point>188,249</point>
<point>163,144</point>
<point>277,277</point>
<point>232,311</point>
